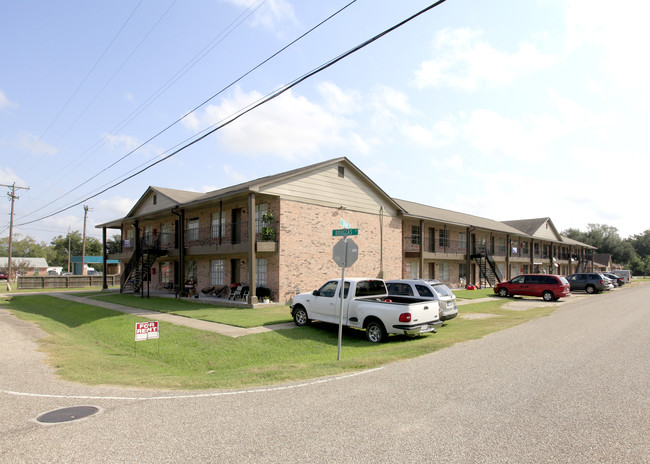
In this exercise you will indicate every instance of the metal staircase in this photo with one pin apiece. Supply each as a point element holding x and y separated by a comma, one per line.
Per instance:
<point>138,269</point>
<point>582,266</point>
<point>489,271</point>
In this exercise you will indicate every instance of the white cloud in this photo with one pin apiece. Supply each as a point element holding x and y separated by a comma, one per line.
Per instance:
<point>338,101</point>
<point>463,61</point>
<point>387,98</point>
<point>31,143</point>
<point>125,144</point>
<point>234,176</point>
<point>115,206</point>
<point>4,101</point>
<point>269,13</point>
<point>620,35</point>
<point>8,176</point>
<point>289,126</point>
<point>418,134</point>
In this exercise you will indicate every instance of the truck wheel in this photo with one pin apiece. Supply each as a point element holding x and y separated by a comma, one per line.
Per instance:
<point>300,316</point>
<point>547,296</point>
<point>503,292</point>
<point>376,333</point>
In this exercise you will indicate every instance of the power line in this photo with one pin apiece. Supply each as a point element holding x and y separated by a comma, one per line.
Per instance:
<point>269,97</point>
<point>97,95</point>
<point>94,148</point>
<point>83,81</point>
<point>196,107</point>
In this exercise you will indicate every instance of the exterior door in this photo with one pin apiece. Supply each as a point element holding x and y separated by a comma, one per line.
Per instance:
<point>234,271</point>
<point>236,226</point>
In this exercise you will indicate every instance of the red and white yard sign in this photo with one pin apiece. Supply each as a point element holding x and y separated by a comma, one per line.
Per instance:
<point>146,330</point>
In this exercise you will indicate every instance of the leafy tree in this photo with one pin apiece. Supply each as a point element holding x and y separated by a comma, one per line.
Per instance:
<point>23,247</point>
<point>59,245</point>
<point>606,240</point>
<point>641,243</point>
<point>114,244</point>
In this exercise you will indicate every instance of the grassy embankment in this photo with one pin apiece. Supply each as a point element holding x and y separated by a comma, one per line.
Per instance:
<point>95,346</point>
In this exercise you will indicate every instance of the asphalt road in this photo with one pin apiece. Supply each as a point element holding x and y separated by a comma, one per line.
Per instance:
<point>569,388</point>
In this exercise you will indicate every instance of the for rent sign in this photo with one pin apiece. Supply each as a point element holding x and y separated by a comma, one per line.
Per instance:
<point>146,330</point>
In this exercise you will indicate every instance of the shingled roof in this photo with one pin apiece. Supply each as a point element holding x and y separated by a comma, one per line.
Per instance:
<point>418,210</point>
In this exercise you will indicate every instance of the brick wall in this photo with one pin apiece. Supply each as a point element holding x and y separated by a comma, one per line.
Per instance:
<point>305,254</point>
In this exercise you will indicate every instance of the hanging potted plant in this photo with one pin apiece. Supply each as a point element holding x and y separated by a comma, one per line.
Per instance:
<point>268,233</point>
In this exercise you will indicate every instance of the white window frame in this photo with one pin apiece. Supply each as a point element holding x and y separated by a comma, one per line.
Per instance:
<point>192,230</point>
<point>260,210</point>
<point>217,272</point>
<point>261,272</point>
<point>443,272</point>
<point>218,223</point>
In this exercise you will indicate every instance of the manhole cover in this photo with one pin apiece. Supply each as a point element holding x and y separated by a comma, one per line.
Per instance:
<point>67,414</point>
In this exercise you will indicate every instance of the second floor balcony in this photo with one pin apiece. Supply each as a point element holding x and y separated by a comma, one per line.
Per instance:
<point>229,238</point>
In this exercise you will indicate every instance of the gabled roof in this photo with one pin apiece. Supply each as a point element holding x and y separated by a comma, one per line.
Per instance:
<point>184,198</point>
<point>175,196</point>
<point>417,210</point>
<point>542,228</point>
<point>257,185</point>
<point>570,241</point>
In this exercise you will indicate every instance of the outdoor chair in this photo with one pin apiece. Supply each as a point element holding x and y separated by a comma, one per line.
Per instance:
<point>236,294</point>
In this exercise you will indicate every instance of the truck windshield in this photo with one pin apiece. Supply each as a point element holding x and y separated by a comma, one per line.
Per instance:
<point>370,288</point>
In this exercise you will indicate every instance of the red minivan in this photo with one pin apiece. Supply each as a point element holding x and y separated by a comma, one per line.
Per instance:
<point>549,287</point>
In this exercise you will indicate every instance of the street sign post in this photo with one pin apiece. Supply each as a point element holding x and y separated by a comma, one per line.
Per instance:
<point>345,254</point>
<point>344,232</point>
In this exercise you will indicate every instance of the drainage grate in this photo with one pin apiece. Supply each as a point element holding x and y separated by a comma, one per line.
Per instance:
<point>67,414</point>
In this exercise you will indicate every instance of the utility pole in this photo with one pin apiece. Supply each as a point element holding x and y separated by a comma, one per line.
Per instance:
<point>12,197</point>
<point>83,243</point>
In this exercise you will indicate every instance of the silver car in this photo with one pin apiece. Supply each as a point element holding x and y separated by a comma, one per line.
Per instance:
<point>427,289</point>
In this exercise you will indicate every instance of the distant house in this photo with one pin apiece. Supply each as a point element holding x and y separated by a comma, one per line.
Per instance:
<point>603,262</point>
<point>25,266</point>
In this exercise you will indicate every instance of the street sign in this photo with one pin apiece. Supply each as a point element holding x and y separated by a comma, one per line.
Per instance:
<point>345,252</point>
<point>345,224</point>
<point>146,330</point>
<point>344,232</point>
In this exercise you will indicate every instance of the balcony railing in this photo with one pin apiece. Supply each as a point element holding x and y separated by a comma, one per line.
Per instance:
<point>430,245</point>
<point>229,234</point>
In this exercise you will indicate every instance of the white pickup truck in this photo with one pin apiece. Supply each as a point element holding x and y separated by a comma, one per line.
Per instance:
<point>366,305</point>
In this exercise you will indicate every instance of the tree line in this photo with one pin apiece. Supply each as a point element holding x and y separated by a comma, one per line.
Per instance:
<point>632,253</point>
<point>59,249</point>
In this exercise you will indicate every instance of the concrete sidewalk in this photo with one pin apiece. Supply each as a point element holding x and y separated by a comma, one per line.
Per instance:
<point>223,329</point>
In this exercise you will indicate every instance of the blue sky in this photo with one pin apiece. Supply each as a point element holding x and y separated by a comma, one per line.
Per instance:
<point>508,110</point>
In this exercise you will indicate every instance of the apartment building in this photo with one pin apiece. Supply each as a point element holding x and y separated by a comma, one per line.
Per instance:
<point>276,233</point>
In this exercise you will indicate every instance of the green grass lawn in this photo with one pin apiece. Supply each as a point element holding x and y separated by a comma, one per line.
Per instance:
<point>94,346</point>
<point>473,294</point>
<point>240,317</point>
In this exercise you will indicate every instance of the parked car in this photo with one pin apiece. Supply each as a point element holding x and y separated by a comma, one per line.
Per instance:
<point>618,280</point>
<point>366,305</point>
<point>624,273</point>
<point>550,287</point>
<point>590,282</point>
<point>429,289</point>
<point>3,276</point>
<point>92,272</point>
<point>611,285</point>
